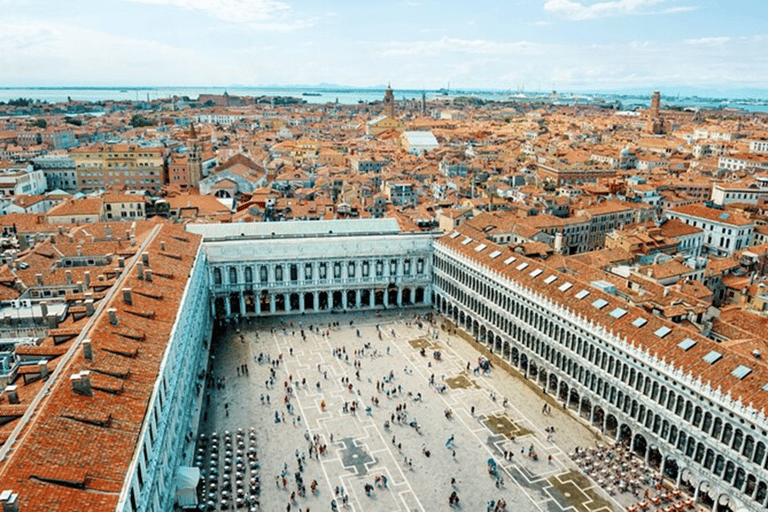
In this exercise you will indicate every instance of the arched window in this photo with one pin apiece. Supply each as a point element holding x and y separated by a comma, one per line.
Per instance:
<point>216,275</point>
<point>248,274</point>
<point>232,275</point>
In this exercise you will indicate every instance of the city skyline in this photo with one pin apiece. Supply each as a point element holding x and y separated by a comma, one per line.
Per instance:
<point>557,44</point>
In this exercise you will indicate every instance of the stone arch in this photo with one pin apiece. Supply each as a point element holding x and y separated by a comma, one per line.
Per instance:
<point>598,417</point>
<point>611,426</point>
<point>418,296</point>
<point>640,445</point>
<point>406,297</point>
<point>514,357</point>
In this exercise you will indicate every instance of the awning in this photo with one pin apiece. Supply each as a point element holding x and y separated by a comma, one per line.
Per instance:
<point>187,479</point>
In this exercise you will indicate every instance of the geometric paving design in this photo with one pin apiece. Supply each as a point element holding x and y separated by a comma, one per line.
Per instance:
<point>501,424</point>
<point>460,382</point>
<point>573,489</point>
<point>420,343</point>
<point>354,457</point>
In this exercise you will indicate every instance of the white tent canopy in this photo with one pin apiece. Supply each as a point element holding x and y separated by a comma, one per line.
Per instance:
<point>187,479</point>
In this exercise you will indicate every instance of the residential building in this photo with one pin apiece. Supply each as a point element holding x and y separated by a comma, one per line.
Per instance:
<point>724,232</point>
<point>120,166</point>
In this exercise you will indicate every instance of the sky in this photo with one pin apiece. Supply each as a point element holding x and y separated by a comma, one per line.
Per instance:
<point>567,45</point>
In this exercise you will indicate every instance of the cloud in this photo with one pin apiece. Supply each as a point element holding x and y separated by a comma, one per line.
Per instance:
<point>576,10</point>
<point>707,41</point>
<point>44,52</point>
<point>261,14</point>
<point>449,45</point>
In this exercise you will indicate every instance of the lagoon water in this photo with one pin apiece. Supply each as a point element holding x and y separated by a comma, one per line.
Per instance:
<point>347,96</point>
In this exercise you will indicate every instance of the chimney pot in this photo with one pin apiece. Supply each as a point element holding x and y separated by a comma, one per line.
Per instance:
<point>81,383</point>
<point>9,501</point>
<point>127,296</point>
<point>12,394</point>
<point>112,316</point>
<point>43,366</point>
<point>88,349</point>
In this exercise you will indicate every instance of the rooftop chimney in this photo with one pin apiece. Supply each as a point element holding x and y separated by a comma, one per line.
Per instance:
<point>87,349</point>
<point>39,279</point>
<point>148,275</point>
<point>89,310</point>
<point>43,366</point>
<point>68,273</point>
<point>12,394</point>
<point>162,246</point>
<point>145,258</point>
<point>9,501</point>
<point>53,239</point>
<point>140,270</point>
<point>108,230</point>
<point>127,296</point>
<point>121,262</point>
<point>81,383</point>
<point>133,240</point>
<point>87,276</point>
<point>112,316</point>
<point>79,250</point>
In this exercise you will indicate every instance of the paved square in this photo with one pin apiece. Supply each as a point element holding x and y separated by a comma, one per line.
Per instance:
<point>359,387</point>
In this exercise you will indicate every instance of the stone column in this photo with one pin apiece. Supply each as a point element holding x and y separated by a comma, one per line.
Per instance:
<point>213,307</point>
<point>357,299</point>
<point>228,306</point>
<point>242,304</point>
<point>271,302</point>
<point>386,297</point>
<point>301,302</point>
<point>257,300</point>
<point>316,301</point>
<point>287,302</point>
<point>344,298</point>
<point>399,296</point>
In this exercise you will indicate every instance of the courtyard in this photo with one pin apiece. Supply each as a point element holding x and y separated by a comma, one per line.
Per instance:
<point>400,415</point>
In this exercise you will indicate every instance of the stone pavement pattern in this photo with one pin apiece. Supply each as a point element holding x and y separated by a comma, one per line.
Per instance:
<point>360,447</point>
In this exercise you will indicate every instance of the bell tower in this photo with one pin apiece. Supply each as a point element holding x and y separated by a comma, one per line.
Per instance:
<point>389,102</point>
<point>195,158</point>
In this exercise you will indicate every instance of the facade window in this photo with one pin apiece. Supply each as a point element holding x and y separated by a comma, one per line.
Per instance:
<point>263,274</point>
<point>294,272</point>
<point>366,269</point>
<point>232,275</point>
<point>216,275</point>
<point>323,271</point>
<point>351,269</point>
<point>393,267</point>
<point>420,266</point>
<point>279,273</point>
<point>379,268</point>
<point>308,271</point>
<point>337,270</point>
<point>248,275</point>
<point>407,267</point>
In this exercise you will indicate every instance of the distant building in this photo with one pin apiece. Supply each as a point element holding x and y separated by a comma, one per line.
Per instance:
<point>418,142</point>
